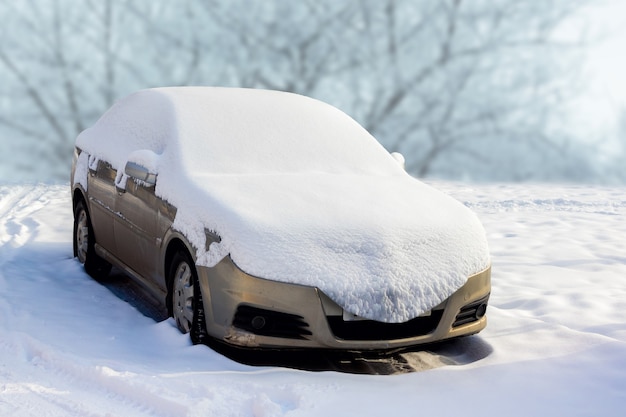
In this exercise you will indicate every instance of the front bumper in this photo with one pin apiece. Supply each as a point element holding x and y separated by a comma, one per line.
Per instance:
<point>246,311</point>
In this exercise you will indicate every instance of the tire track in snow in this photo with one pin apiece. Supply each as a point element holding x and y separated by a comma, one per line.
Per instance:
<point>64,386</point>
<point>17,204</point>
<point>55,383</point>
<point>17,227</point>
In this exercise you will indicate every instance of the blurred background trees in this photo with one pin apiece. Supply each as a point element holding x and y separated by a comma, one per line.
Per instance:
<point>465,89</point>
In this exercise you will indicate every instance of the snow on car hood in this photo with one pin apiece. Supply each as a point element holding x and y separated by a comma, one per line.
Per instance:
<point>384,248</point>
<point>298,192</point>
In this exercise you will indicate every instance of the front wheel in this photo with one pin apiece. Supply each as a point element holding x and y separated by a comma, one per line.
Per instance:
<point>186,298</point>
<point>84,244</point>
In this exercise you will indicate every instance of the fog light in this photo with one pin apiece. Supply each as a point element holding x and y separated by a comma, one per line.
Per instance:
<point>258,322</point>
<point>481,310</point>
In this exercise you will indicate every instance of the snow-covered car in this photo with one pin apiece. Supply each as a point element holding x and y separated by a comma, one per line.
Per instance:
<point>269,219</point>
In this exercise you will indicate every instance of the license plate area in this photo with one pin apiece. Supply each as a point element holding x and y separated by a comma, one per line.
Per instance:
<point>347,316</point>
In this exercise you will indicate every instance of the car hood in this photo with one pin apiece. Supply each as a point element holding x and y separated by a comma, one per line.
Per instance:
<point>386,248</point>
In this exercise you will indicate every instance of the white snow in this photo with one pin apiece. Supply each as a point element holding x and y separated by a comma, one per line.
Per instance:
<point>298,192</point>
<point>555,343</point>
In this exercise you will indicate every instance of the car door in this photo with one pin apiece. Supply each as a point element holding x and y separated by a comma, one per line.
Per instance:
<point>137,237</point>
<point>102,195</point>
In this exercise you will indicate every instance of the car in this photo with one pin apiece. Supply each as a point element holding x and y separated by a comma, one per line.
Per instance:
<point>267,219</point>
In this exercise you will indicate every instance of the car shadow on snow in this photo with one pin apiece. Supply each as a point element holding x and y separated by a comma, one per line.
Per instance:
<point>127,289</point>
<point>454,352</point>
<point>448,353</point>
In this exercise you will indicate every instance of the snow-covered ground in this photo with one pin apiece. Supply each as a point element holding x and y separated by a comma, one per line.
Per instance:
<point>555,343</point>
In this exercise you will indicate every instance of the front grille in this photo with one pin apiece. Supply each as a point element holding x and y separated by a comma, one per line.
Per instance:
<point>270,323</point>
<point>474,311</point>
<point>375,330</point>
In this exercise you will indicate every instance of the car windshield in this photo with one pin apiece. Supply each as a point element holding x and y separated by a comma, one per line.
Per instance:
<point>263,132</point>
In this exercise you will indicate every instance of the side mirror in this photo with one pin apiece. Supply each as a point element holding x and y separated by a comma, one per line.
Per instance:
<point>399,159</point>
<point>139,172</point>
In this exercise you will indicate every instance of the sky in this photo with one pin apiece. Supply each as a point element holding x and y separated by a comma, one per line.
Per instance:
<point>605,69</point>
<point>607,59</point>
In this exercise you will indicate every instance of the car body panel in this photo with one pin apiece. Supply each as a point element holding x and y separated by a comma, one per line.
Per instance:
<point>101,201</point>
<point>137,235</point>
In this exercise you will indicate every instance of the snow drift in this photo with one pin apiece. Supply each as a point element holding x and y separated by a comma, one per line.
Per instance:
<point>555,345</point>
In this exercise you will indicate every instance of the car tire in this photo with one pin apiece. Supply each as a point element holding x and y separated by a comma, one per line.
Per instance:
<point>84,244</point>
<point>187,307</point>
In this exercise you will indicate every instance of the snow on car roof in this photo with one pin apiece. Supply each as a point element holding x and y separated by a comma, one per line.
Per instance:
<point>298,192</point>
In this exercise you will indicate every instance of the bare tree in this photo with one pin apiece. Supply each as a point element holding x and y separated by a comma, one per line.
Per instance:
<point>66,62</point>
<point>463,88</point>
<point>48,80</point>
<point>445,81</point>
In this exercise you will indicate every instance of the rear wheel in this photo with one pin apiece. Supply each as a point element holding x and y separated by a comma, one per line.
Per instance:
<point>186,298</point>
<point>84,244</point>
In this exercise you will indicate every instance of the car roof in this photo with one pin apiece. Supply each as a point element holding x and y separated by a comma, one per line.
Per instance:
<point>216,130</point>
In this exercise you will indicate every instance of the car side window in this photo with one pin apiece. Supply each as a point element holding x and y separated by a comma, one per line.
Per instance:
<point>106,172</point>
